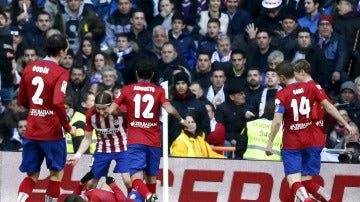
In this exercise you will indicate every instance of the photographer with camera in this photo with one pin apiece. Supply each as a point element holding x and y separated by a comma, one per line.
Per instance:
<point>352,153</point>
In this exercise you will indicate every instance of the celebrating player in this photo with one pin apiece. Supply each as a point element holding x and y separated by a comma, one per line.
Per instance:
<point>143,101</point>
<point>42,90</point>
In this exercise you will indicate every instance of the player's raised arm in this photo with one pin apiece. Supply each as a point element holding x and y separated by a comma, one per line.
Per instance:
<point>331,109</point>
<point>172,111</point>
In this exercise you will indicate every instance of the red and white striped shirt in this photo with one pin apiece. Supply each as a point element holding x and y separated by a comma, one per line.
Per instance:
<point>111,136</point>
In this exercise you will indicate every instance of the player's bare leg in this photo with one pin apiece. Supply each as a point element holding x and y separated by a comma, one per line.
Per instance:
<point>127,181</point>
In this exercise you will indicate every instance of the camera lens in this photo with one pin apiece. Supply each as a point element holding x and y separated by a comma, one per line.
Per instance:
<point>344,158</point>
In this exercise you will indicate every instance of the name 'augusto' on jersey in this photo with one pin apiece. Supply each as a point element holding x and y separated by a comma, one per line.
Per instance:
<point>144,88</point>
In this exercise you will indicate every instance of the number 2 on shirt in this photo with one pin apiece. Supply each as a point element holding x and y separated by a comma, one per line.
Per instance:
<point>39,82</point>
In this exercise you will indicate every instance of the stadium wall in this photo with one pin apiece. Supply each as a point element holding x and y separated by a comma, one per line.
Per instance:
<point>197,180</point>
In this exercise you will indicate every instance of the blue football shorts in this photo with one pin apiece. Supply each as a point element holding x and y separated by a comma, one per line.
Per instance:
<point>34,152</point>
<point>102,163</point>
<point>307,161</point>
<point>143,157</point>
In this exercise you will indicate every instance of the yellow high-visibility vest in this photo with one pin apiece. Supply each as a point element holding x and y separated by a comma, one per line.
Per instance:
<point>78,116</point>
<point>258,136</point>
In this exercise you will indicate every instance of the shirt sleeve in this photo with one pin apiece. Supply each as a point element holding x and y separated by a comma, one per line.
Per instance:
<point>120,99</point>
<point>58,100</point>
<point>22,97</point>
<point>119,195</point>
<point>89,127</point>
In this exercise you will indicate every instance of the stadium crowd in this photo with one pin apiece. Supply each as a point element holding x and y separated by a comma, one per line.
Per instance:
<point>218,57</point>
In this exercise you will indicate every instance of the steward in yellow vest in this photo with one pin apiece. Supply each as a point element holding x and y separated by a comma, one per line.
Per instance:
<point>79,121</point>
<point>258,135</point>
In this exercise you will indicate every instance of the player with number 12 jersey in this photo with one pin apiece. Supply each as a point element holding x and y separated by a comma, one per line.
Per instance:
<point>143,102</point>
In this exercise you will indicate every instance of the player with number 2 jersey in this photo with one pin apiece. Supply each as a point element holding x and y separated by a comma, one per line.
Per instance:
<point>42,91</point>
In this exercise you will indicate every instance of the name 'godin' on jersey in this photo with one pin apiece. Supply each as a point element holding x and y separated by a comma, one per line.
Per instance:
<point>39,69</point>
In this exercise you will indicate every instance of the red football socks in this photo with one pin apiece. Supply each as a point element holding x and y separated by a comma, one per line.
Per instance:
<point>141,188</point>
<point>78,189</point>
<point>151,187</point>
<point>53,189</point>
<point>317,191</point>
<point>300,192</point>
<point>27,185</point>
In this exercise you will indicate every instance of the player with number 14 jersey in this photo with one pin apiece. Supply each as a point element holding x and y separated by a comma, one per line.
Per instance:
<point>297,99</point>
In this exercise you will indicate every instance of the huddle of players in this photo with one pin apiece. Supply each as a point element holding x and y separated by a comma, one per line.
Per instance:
<point>43,93</point>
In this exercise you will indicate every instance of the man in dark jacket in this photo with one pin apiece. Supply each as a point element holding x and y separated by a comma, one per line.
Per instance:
<point>125,57</point>
<point>348,24</point>
<point>239,17</point>
<point>138,32</point>
<point>77,22</point>
<point>6,57</point>
<point>234,114</point>
<point>304,49</point>
<point>184,101</point>
<point>78,85</point>
<point>118,22</point>
<point>333,46</point>
<point>37,38</point>
<point>170,62</point>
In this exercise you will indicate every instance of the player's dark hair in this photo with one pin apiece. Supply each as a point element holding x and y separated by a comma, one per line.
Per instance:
<point>74,198</point>
<point>285,68</point>
<point>302,64</point>
<point>103,98</point>
<point>145,69</point>
<point>56,43</point>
